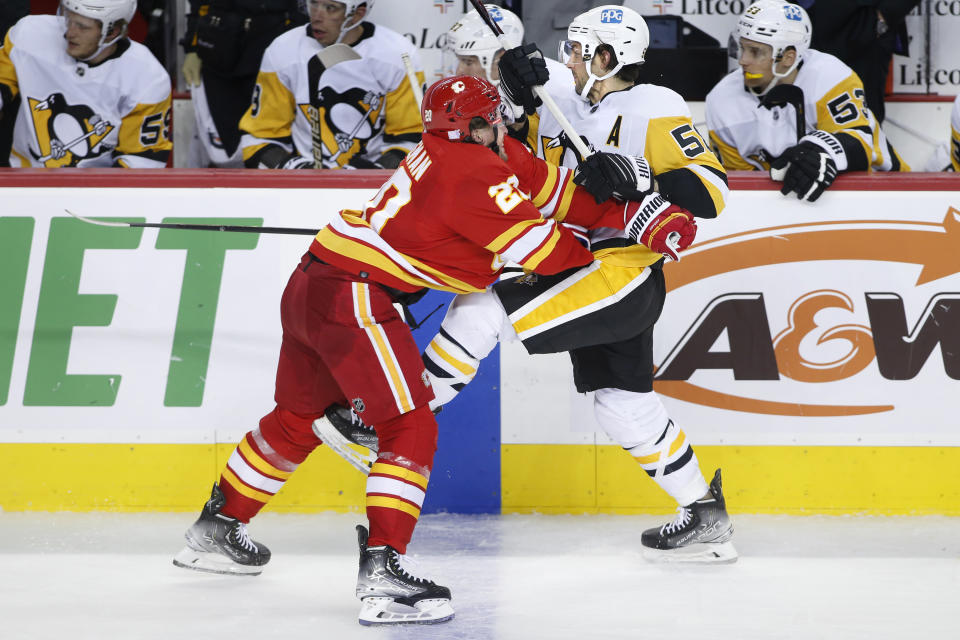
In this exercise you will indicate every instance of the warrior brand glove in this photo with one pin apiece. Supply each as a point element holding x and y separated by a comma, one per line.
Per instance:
<point>663,227</point>
<point>805,169</point>
<point>580,233</point>
<point>607,175</point>
<point>521,69</point>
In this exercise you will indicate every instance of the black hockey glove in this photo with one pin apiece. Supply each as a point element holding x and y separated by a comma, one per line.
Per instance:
<point>521,69</point>
<point>607,175</point>
<point>805,169</point>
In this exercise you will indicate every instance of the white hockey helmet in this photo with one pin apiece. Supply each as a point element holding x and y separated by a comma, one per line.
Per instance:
<point>620,27</point>
<point>108,12</point>
<point>779,24</point>
<point>470,36</point>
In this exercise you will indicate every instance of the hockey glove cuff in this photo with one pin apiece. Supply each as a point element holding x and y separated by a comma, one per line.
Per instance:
<point>521,69</point>
<point>607,175</point>
<point>661,226</point>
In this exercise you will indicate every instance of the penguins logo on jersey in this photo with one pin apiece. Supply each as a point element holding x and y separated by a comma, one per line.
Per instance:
<point>555,148</point>
<point>67,133</point>
<point>348,121</point>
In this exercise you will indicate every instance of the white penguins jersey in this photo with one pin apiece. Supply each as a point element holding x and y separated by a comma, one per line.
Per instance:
<point>73,114</point>
<point>748,136</point>
<point>955,135</point>
<point>360,108</point>
<point>645,120</point>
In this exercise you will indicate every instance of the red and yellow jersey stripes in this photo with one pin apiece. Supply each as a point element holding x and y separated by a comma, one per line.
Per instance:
<point>390,365</point>
<point>254,470</point>
<point>748,136</point>
<point>955,135</point>
<point>391,486</point>
<point>453,214</point>
<point>360,109</point>
<point>74,114</point>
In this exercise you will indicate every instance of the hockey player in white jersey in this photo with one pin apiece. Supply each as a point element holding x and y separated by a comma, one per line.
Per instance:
<point>792,110</point>
<point>307,113</point>
<point>82,94</point>
<point>603,314</point>
<point>472,49</point>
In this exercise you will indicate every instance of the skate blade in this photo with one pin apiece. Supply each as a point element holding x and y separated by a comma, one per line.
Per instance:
<point>209,562</point>
<point>359,457</point>
<point>383,611</point>
<point>702,553</point>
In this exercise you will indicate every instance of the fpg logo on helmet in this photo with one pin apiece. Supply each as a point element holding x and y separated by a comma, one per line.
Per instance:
<point>792,12</point>
<point>495,13</point>
<point>611,16</point>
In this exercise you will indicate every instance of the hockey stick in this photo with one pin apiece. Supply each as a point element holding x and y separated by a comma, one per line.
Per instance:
<point>538,90</point>
<point>197,227</point>
<point>325,59</point>
<point>412,79</point>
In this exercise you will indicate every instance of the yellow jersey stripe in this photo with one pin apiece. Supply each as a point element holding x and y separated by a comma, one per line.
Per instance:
<point>381,344</point>
<point>243,489</point>
<point>254,460</point>
<point>456,364</point>
<point>511,234</point>
<point>543,196</point>
<point>534,261</point>
<point>393,503</point>
<point>399,472</point>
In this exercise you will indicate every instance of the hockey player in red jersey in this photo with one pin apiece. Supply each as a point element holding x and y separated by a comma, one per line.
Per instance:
<point>448,218</point>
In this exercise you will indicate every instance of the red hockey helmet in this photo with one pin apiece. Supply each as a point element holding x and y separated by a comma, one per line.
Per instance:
<point>450,104</point>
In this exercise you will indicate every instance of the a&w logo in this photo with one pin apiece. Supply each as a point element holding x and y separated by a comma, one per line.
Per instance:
<point>883,335</point>
<point>611,16</point>
<point>792,12</point>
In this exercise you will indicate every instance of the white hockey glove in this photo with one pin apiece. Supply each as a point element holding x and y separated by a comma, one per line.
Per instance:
<point>661,226</point>
<point>607,175</point>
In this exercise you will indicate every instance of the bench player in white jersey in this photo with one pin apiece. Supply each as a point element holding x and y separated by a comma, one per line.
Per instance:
<point>360,113</point>
<point>955,135</point>
<point>792,110</point>
<point>472,49</point>
<point>81,93</point>
<point>604,314</point>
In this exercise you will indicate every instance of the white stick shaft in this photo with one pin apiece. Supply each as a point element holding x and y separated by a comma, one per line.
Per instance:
<point>412,78</point>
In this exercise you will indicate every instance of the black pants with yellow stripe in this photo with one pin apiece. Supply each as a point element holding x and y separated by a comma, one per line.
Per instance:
<point>602,315</point>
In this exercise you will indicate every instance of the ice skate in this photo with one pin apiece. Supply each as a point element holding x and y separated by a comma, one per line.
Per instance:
<point>344,432</point>
<point>219,544</point>
<point>700,533</point>
<point>390,594</point>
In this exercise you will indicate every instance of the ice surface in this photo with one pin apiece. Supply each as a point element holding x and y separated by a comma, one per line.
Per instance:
<point>106,576</point>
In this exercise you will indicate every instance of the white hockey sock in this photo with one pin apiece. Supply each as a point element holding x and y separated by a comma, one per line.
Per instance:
<point>640,424</point>
<point>469,332</point>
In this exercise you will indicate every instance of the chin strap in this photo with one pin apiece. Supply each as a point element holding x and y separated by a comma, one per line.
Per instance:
<point>594,79</point>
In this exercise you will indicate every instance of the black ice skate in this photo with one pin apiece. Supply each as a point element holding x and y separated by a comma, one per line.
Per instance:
<point>219,544</point>
<point>390,594</point>
<point>341,429</point>
<point>700,533</point>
